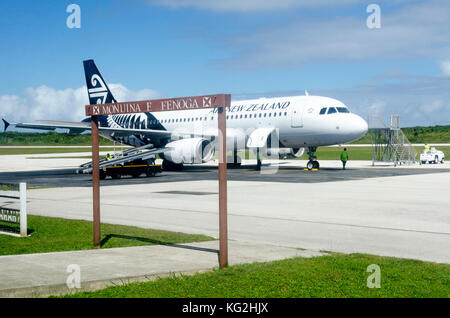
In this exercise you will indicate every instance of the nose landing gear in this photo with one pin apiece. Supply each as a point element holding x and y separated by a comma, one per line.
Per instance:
<point>312,163</point>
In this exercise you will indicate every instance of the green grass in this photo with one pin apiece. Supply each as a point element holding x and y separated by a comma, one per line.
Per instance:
<point>56,235</point>
<point>323,153</point>
<point>13,138</point>
<point>30,151</point>
<point>334,153</point>
<point>335,275</point>
<point>359,153</point>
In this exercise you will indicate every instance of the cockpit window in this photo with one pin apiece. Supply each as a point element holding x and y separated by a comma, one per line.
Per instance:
<point>331,110</point>
<point>323,111</point>
<point>343,110</point>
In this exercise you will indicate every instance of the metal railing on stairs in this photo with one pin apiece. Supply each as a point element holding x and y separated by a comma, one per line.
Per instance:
<point>389,142</point>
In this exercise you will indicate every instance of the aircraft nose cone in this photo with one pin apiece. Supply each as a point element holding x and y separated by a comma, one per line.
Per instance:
<point>355,128</point>
<point>362,126</point>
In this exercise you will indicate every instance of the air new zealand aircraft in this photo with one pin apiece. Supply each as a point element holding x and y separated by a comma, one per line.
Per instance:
<point>297,123</point>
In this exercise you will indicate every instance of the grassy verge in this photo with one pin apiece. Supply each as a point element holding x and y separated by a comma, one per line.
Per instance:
<point>14,138</point>
<point>359,153</point>
<point>56,235</point>
<point>323,153</point>
<point>335,275</point>
<point>334,153</point>
<point>29,151</point>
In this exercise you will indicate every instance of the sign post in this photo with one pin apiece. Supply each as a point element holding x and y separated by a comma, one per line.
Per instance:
<point>223,223</point>
<point>95,181</point>
<point>218,101</point>
<point>23,209</point>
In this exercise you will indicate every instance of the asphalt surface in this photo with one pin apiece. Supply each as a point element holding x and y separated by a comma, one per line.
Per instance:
<point>289,174</point>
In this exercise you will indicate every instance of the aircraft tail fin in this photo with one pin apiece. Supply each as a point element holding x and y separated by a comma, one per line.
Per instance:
<point>98,90</point>
<point>6,125</point>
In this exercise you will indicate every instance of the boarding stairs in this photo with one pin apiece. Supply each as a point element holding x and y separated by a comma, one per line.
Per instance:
<point>143,153</point>
<point>389,142</point>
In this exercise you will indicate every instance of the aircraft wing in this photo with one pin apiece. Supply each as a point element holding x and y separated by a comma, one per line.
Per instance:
<point>79,127</point>
<point>74,127</point>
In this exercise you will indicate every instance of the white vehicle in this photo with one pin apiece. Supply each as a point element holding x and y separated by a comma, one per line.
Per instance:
<point>432,156</point>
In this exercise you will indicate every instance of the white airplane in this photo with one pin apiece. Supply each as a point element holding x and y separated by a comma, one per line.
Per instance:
<point>281,126</point>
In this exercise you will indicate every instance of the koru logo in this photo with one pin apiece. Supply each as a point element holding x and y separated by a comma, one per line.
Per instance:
<point>206,101</point>
<point>98,91</point>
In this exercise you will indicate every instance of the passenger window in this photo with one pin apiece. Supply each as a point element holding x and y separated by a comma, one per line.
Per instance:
<point>323,111</point>
<point>331,110</point>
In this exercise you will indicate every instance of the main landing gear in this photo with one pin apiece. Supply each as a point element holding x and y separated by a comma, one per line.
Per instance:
<point>312,163</point>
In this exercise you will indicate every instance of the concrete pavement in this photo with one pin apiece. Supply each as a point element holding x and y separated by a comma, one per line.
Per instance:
<point>37,275</point>
<point>402,216</point>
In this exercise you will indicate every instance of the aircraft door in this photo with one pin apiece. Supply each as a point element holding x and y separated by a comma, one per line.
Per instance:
<point>297,117</point>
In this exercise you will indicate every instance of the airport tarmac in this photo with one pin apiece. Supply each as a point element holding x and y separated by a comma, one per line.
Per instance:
<point>383,210</point>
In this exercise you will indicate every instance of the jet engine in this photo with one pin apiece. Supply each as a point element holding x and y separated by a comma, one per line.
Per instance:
<point>189,150</point>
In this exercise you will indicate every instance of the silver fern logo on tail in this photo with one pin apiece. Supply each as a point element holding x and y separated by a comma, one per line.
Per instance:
<point>99,90</point>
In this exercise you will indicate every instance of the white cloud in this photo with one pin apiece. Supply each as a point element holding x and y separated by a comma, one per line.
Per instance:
<point>445,67</point>
<point>425,101</point>
<point>416,30</point>
<point>245,5</point>
<point>68,104</point>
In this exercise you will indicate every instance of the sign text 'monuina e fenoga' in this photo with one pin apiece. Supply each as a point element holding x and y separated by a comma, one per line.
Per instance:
<point>157,105</point>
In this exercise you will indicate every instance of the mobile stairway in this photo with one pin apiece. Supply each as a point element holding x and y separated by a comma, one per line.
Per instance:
<point>389,143</point>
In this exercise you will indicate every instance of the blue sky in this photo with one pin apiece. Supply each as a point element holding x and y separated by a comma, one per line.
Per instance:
<point>248,48</point>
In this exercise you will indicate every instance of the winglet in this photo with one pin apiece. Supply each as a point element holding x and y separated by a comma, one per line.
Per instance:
<point>306,93</point>
<point>6,125</point>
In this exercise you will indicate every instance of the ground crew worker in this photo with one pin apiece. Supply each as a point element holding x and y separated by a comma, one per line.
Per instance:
<point>344,158</point>
<point>427,147</point>
<point>258,159</point>
<point>108,156</point>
